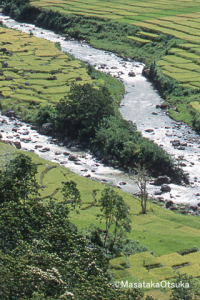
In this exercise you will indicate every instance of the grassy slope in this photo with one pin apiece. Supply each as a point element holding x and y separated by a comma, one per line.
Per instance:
<point>143,26</point>
<point>162,231</point>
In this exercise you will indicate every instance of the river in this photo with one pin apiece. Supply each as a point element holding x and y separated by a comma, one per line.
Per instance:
<point>138,105</point>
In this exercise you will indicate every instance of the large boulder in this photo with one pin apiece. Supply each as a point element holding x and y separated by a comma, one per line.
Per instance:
<point>165,188</point>
<point>131,74</point>
<point>162,180</point>
<point>17,144</point>
<point>146,72</point>
<point>45,128</point>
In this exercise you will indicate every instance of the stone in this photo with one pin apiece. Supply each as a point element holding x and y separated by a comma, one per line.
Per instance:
<point>10,113</point>
<point>72,157</point>
<point>161,199</point>
<point>46,149</point>
<point>175,143</point>
<point>162,180</point>
<point>33,127</point>
<point>154,202</point>
<point>87,176</point>
<point>38,146</point>
<point>4,64</point>
<point>158,193</point>
<point>193,207</point>
<point>165,188</point>
<point>173,208</point>
<point>146,72</point>
<point>164,106</point>
<point>184,212</point>
<point>58,153</point>
<point>45,128</point>
<point>66,153</point>
<point>26,132</point>
<point>181,148</point>
<point>17,144</point>
<point>131,74</point>
<point>122,183</point>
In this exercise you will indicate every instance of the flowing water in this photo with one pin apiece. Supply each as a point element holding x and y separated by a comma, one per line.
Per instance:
<point>138,105</point>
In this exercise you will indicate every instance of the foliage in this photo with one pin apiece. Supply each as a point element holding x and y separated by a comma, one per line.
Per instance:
<point>45,254</point>
<point>17,180</point>
<point>141,180</point>
<point>70,193</point>
<point>185,288</point>
<point>86,106</point>
<point>45,115</point>
<point>15,7</point>
<point>115,212</point>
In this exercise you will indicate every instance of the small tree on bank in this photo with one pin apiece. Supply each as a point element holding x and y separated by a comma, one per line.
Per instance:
<point>141,181</point>
<point>115,212</point>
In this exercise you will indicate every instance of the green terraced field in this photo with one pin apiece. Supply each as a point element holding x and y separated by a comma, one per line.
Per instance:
<point>180,19</point>
<point>195,104</point>
<point>147,268</point>
<point>36,73</point>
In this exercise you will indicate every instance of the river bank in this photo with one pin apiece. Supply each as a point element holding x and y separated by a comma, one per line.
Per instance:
<point>139,104</point>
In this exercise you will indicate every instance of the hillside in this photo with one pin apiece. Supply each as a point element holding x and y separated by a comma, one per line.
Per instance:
<point>159,229</point>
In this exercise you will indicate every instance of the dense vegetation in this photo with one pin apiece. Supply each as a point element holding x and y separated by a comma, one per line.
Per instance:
<point>90,115</point>
<point>43,256</point>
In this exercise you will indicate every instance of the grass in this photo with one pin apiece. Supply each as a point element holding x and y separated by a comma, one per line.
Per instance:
<point>196,104</point>
<point>137,39</point>
<point>159,230</point>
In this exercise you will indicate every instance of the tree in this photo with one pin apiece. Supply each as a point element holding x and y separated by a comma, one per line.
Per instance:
<point>43,256</point>
<point>80,114</point>
<point>17,180</point>
<point>184,288</point>
<point>70,193</point>
<point>141,180</point>
<point>115,212</point>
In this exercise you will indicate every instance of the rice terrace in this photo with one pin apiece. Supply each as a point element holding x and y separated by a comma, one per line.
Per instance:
<point>38,81</point>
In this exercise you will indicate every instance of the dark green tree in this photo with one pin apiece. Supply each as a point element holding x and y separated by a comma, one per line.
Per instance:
<point>185,288</point>
<point>15,7</point>
<point>71,194</point>
<point>79,115</point>
<point>17,180</point>
<point>43,255</point>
